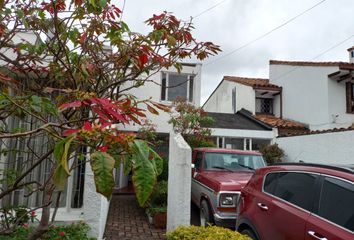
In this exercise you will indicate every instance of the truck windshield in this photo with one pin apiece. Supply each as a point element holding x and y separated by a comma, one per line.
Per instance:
<point>232,161</point>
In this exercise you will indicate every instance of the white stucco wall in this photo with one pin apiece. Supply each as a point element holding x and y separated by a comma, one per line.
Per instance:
<point>330,148</point>
<point>245,98</point>
<point>152,89</point>
<point>179,183</point>
<point>95,206</point>
<point>310,97</point>
<point>221,100</point>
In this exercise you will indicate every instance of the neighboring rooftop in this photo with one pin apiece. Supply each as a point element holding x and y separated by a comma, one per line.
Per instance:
<point>253,82</point>
<point>333,130</point>
<point>311,64</point>
<point>279,122</point>
<point>239,120</point>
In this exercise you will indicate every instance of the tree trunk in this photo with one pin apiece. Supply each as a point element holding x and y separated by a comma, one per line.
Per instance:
<point>44,222</point>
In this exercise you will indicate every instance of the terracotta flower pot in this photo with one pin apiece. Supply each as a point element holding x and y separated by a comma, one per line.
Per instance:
<point>160,220</point>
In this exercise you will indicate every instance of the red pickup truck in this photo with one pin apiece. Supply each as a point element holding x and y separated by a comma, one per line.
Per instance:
<point>218,175</point>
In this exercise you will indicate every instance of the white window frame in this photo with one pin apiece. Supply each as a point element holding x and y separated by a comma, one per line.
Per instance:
<point>168,83</point>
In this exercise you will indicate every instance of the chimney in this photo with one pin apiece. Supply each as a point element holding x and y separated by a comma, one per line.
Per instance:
<point>351,54</point>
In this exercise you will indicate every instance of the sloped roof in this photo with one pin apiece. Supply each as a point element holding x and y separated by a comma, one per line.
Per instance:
<point>332,130</point>
<point>237,120</point>
<point>253,82</point>
<point>309,63</point>
<point>279,122</point>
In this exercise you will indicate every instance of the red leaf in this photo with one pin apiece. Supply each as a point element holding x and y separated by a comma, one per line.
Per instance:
<point>78,2</point>
<point>100,113</point>
<point>152,110</point>
<point>70,105</point>
<point>83,38</point>
<point>102,148</point>
<point>69,132</point>
<point>87,126</point>
<point>117,116</point>
<point>143,59</point>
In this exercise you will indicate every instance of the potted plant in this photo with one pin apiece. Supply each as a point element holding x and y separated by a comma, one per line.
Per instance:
<point>157,209</point>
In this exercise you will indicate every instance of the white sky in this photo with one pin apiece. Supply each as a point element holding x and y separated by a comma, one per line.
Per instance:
<point>234,23</point>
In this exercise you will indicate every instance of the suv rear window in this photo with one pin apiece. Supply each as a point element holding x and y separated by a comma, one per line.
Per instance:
<point>293,187</point>
<point>337,202</point>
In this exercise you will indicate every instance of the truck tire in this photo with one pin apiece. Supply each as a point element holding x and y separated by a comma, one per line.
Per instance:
<point>249,233</point>
<point>206,217</point>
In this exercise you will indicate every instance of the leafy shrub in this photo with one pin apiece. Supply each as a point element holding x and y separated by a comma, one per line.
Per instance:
<point>73,231</point>
<point>14,216</point>
<point>159,196</point>
<point>164,175</point>
<point>272,153</point>
<point>204,233</point>
<point>153,210</point>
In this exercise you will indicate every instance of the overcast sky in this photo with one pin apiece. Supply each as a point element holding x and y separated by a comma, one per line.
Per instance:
<point>234,23</point>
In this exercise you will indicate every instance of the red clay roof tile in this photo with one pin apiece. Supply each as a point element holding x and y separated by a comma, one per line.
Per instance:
<point>279,122</point>
<point>309,63</point>
<point>253,82</point>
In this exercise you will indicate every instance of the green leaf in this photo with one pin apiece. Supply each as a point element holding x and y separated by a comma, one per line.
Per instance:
<point>157,162</point>
<point>103,3</point>
<point>41,14</point>
<point>127,164</point>
<point>145,171</point>
<point>102,166</point>
<point>61,151</point>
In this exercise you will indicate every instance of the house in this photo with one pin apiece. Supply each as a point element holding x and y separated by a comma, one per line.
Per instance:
<point>262,99</point>
<point>323,88</point>
<point>310,104</point>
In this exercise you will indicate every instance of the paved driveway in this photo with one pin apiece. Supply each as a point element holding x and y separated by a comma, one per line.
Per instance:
<point>126,220</point>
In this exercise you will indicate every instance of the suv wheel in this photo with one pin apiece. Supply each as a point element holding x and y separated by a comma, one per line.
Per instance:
<point>249,233</point>
<point>205,214</point>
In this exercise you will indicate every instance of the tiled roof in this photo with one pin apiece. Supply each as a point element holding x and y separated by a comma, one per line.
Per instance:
<point>280,123</point>
<point>309,63</point>
<point>333,130</point>
<point>253,82</point>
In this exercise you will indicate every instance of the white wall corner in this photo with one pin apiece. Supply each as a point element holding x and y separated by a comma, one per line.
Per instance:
<point>179,182</point>
<point>95,206</point>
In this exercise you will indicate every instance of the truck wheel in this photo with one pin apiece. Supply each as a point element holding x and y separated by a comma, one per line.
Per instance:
<point>249,233</point>
<point>205,214</point>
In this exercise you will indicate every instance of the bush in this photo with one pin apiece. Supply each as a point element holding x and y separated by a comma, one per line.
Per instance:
<point>204,233</point>
<point>159,196</point>
<point>164,175</point>
<point>272,153</point>
<point>69,232</point>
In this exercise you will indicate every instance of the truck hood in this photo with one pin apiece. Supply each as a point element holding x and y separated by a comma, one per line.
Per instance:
<point>226,181</point>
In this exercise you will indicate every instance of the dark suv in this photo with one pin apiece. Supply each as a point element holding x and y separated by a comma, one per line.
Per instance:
<point>298,201</point>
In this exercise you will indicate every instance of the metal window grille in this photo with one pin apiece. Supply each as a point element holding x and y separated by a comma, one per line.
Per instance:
<point>264,105</point>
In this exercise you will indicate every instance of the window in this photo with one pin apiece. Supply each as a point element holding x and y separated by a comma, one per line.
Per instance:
<point>232,161</point>
<point>264,105</point>
<point>198,160</point>
<point>234,107</point>
<point>293,187</point>
<point>336,203</point>
<point>175,85</point>
<point>234,143</point>
<point>350,97</point>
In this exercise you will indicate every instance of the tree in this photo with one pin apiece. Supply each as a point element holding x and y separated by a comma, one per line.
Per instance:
<point>192,122</point>
<point>68,86</point>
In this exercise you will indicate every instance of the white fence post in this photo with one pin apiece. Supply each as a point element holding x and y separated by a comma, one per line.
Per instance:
<point>179,183</point>
<point>95,206</point>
